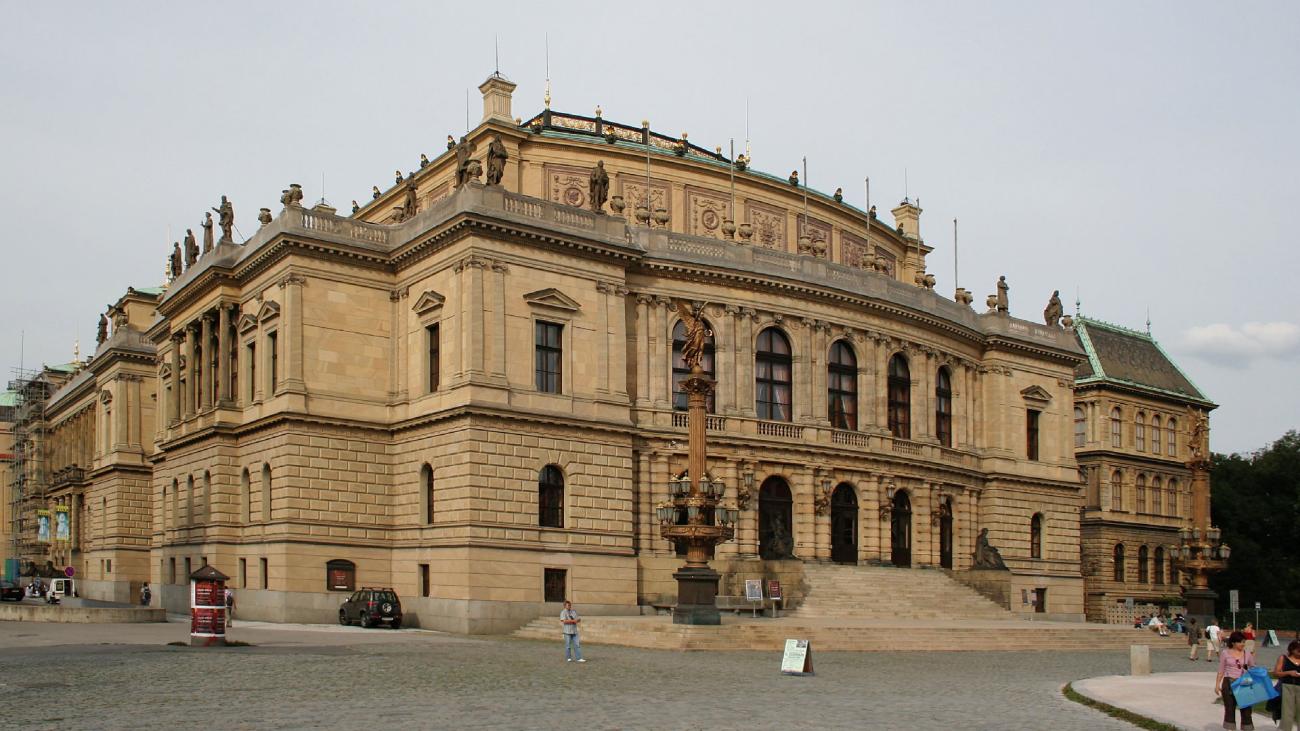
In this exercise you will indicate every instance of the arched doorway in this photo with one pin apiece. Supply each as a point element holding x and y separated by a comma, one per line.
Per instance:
<point>945,534</point>
<point>775,513</point>
<point>844,524</point>
<point>901,530</point>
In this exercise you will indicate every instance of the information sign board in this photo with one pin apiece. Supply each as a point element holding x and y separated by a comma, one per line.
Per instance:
<point>797,659</point>
<point>1234,604</point>
<point>774,589</point>
<point>754,590</point>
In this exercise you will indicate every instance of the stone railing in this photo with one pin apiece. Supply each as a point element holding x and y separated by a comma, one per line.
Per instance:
<point>780,429</point>
<point>70,475</point>
<point>851,438</point>
<point>319,222</point>
<point>904,446</point>
<point>711,422</point>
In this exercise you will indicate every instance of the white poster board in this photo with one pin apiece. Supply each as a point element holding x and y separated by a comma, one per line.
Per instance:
<point>797,659</point>
<point>1234,605</point>
<point>754,590</point>
<point>1272,639</point>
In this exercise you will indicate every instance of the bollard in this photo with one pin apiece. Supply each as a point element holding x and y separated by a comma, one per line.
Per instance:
<point>1139,660</point>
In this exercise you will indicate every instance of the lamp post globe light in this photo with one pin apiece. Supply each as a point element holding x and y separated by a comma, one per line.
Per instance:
<point>695,518</point>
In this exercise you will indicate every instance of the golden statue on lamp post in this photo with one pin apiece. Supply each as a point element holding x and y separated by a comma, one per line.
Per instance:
<point>695,517</point>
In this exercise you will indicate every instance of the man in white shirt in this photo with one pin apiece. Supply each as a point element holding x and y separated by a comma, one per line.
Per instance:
<point>1212,640</point>
<point>569,620</point>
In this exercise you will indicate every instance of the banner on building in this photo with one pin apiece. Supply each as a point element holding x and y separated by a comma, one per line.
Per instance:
<point>62,524</point>
<point>43,526</point>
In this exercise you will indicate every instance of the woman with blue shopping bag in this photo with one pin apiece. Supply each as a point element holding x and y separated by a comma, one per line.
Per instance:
<point>1238,684</point>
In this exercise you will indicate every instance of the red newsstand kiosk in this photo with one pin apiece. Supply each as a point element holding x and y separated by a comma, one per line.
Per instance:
<point>208,608</point>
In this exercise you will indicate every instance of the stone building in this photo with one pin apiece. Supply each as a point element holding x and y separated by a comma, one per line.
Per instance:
<point>468,391</point>
<point>8,407</point>
<point>1132,412</point>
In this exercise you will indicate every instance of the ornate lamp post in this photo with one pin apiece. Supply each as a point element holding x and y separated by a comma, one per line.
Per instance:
<point>695,516</point>
<point>1200,552</point>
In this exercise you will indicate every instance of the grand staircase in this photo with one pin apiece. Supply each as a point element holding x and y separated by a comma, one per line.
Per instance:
<point>888,594</point>
<point>865,609</point>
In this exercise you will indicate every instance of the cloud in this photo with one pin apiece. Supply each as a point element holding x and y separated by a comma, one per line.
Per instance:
<point>1239,346</point>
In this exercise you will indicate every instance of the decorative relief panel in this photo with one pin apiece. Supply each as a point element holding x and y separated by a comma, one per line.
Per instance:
<point>568,185</point>
<point>818,231</point>
<point>769,225</point>
<point>707,210</point>
<point>632,188</point>
<point>436,194</point>
<point>854,251</point>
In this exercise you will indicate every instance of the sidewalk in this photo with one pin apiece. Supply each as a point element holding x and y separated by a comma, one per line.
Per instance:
<point>1185,700</point>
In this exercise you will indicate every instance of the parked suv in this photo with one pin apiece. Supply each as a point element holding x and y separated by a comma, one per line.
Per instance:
<point>371,606</point>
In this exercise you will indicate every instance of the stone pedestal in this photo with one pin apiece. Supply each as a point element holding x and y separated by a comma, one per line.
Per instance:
<point>1200,604</point>
<point>697,592</point>
<point>1139,660</point>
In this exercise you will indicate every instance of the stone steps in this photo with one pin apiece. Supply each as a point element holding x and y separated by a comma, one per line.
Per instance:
<point>883,594</point>
<point>830,635</point>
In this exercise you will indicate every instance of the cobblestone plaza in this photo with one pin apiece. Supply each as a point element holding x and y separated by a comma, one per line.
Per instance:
<point>122,676</point>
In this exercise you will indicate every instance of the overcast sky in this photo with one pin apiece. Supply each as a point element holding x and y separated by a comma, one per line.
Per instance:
<point>1142,155</point>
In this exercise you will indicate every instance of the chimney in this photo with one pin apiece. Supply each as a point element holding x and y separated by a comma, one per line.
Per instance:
<point>908,217</point>
<point>496,99</point>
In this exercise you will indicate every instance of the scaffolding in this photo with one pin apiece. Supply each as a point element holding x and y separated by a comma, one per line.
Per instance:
<point>28,474</point>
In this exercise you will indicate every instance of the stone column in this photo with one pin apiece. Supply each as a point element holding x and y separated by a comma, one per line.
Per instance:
<point>822,523</point>
<point>724,348</point>
<point>396,384</point>
<point>883,519</point>
<point>927,394</point>
<point>291,335</point>
<point>659,474</point>
<point>745,364</point>
<point>205,382</point>
<point>882,382</point>
<point>869,518</point>
<point>602,355</point>
<point>174,403</point>
<point>135,426</point>
<point>977,406</point>
<point>923,531</point>
<point>660,342</point>
<point>804,387</point>
<point>191,363</point>
<point>617,318</point>
<point>747,525</point>
<point>805,530</point>
<point>223,356</point>
<point>643,303</point>
<point>121,406</point>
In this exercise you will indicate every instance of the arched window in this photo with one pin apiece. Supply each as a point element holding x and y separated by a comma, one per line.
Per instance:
<point>1080,427</point>
<point>1157,497</point>
<point>1171,437</point>
<point>1036,536</point>
<point>189,500</point>
<point>1155,435</point>
<point>772,365</point>
<point>1119,562</point>
<point>1140,432</point>
<point>943,406</point>
<point>1116,428</point>
<point>426,493</point>
<point>1117,491</point>
<point>842,387</point>
<point>1140,494</point>
<point>550,497</point>
<point>1143,570</point>
<point>900,397</point>
<point>340,575</point>
<point>1173,497</point>
<point>266,492</point>
<point>1160,565</point>
<point>176,503</point>
<point>205,500</point>
<point>681,372</point>
<point>245,497</point>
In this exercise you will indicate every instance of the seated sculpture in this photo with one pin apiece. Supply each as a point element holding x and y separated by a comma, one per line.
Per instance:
<point>986,556</point>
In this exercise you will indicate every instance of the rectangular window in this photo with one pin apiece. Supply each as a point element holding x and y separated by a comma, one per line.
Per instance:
<point>434,363</point>
<point>171,571</point>
<point>108,566</point>
<point>233,365</point>
<point>243,573</point>
<point>188,569</point>
<point>273,359</point>
<point>266,579</point>
<point>549,349</point>
<point>252,372</point>
<point>1031,434</point>
<point>553,584</point>
<point>424,579</point>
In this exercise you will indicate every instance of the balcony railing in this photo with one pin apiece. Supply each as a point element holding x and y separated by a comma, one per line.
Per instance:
<point>711,422</point>
<point>780,429</point>
<point>70,475</point>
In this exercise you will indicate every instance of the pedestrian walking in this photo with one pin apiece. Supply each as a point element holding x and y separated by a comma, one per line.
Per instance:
<point>1193,639</point>
<point>230,607</point>
<point>1249,632</point>
<point>569,620</point>
<point>1288,671</point>
<point>1212,640</point>
<point>146,595</point>
<point>1233,662</point>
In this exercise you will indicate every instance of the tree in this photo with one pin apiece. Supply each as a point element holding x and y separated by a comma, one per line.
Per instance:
<point>1255,501</point>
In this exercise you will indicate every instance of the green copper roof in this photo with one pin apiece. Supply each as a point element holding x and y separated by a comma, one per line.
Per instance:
<point>1127,357</point>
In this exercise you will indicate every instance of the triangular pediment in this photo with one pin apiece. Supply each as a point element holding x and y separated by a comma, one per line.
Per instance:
<point>268,311</point>
<point>428,302</point>
<point>165,372</point>
<point>554,298</point>
<point>246,322</point>
<point>1036,393</point>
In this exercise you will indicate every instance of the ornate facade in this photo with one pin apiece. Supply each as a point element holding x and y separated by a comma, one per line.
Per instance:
<point>471,393</point>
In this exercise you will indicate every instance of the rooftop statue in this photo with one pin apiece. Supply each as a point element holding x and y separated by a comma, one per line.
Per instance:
<point>374,192</point>
<point>284,197</point>
<point>226,220</point>
<point>400,177</point>
<point>207,231</point>
<point>496,160</point>
<point>174,262</point>
<point>599,187</point>
<point>411,204</point>
<point>451,142</point>
<point>464,158</point>
<point>794,177</point>
<point>264,216</point>
<point>839,195</point>
<point>986,556</point>
<point>191,248</point>
<point>424,160</point>
<point>101,334</point>
<point>1052,315</point>
<point>1198,443</point>
<point>355,207</point>
<point>1003,305</point>
<point>295,194</point>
